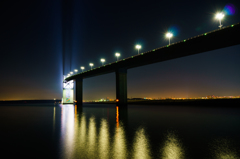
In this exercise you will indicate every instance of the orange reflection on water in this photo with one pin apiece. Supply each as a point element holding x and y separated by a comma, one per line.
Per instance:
<point>117,117</point>
<point>75,111</point>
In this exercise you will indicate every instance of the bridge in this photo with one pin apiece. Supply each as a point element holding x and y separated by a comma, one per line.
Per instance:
<point>217,39</point>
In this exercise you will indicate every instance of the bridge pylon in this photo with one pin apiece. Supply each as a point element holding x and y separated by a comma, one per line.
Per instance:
<point>121,87</point>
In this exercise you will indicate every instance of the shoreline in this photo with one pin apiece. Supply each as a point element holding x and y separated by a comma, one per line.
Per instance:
<point>194,102</point>
<point>187,102</point>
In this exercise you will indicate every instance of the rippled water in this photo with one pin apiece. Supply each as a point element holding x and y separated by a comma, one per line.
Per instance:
<point>107,131</point>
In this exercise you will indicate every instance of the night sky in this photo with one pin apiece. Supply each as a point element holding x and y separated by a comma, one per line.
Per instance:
<point>42,40</point>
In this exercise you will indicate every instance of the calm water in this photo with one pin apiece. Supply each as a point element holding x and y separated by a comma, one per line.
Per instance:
<point>106,131</point>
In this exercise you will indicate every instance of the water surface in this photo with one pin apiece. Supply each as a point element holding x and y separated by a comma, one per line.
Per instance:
<point>107,131</point>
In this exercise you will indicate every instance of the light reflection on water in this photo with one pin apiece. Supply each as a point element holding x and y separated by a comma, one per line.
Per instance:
<point>104,143</point>
<point>141,146</point>
<point>223,149</point>
<point>172,147</point>
<point>86,136</point>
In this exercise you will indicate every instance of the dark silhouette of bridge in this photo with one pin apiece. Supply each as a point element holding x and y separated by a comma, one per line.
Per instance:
<point>217,39</point>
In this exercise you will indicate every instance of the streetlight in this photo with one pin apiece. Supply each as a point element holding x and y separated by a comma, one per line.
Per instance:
<point>219,16</point>
<point>117,54</point>
<point>169,35</point>
<point>76,70</point>
<point>102,60</point>
<point>71,73</point>
<point>91,64</point>
<point>82,68</point>
<point>138,47</point>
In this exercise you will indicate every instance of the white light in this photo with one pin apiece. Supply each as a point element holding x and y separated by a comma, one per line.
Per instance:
<point>117,54</point>
<point>91,64</point>
<point>219,16</point>
<point>82,68</point>
<point>169,35</point>
<point>75,70</point>
<point>102,60</point>
<point>138,46</point>
<point>71,72</point>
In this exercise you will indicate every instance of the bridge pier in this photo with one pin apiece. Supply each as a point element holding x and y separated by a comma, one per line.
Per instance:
<point>79,91</point>
<point>121,87</point>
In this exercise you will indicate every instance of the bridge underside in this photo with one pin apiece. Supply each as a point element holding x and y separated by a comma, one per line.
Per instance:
<point>217,39</point>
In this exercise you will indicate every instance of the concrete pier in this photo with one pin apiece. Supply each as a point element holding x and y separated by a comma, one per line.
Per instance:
<point>79,91</point>
<point>121,87</point>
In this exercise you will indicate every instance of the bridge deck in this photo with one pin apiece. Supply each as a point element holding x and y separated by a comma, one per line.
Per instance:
<point>217,39</point>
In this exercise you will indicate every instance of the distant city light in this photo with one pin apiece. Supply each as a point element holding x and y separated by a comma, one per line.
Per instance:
<point>91,64</point>
<point>102,60</point>
<point>82,68</point>
<point>220,16</point>
<point>169,35</point>
<point>117,55</point>
<point>138,47</point>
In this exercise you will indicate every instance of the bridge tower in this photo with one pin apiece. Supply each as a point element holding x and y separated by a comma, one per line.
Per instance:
<point>67,92</point>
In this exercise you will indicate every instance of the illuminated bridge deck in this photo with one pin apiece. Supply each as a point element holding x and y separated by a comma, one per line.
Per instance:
<point>217,39</point>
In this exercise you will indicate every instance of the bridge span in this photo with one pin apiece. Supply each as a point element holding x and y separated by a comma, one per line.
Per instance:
<point>217,39</point>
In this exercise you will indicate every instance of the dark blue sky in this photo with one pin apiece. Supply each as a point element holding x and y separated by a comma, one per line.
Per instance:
<point>41,40</point>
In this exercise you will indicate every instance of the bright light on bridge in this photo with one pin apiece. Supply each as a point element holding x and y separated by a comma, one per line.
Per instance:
<point>91,64</point>
<point>219,16</point>
<point>102,60</point>
<point>117,54</point>
<point>71,73</point>
<point>169,35</point>
<point>138,47</point>
<point>76,70</point>
<point>82,68</point>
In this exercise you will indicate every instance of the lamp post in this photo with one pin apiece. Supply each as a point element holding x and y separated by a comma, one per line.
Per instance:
<point>102,60</point>
<point>117,55</point>
<point>138,47</point>
<point>82,68</point>
<point>169,35</point>
<point>76,70</point>
<point>219,16</point>
<point>91,64</point>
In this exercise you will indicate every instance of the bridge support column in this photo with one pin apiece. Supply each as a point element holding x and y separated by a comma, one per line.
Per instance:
<point>121,87</point>
<point>78,90</point>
